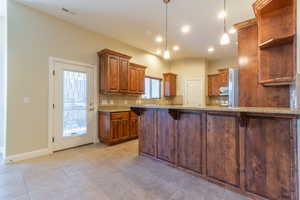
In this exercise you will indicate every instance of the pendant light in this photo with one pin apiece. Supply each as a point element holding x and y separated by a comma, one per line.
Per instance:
<point>166,53</point>
<point>225,40</point>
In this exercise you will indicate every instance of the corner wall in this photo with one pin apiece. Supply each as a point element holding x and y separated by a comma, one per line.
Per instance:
<point>187,69</point>
<point>32,38</point>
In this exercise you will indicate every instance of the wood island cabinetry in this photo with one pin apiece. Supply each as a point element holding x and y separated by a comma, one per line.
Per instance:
<point>250,153</point>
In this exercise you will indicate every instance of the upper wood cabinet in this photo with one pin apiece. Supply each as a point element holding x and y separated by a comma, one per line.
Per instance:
<point>136,79</point>
<point>169,84</point>
<point>113,71</point>
<point>215,81</point>
<point>276,21</point>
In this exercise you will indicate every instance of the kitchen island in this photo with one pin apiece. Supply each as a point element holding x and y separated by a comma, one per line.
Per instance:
<point>249,150</point>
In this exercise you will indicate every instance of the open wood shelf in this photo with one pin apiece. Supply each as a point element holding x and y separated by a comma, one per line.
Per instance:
<point>265,6</point>
<point>274,42</point>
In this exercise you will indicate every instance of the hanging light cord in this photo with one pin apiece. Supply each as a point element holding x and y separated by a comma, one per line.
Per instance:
<point>225,16</point>
<point>166,33</point>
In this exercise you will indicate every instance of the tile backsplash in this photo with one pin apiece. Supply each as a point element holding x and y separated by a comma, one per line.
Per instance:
<point>123,99</point>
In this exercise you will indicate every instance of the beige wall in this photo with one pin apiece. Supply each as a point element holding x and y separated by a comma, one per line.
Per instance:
<point>214,65</point>
<point>32,38</point>
<point>187,69</point>
<point>2,79</point>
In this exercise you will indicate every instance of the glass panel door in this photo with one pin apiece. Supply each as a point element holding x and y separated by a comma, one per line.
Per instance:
<point>75,100</point>
<point>75,116</point>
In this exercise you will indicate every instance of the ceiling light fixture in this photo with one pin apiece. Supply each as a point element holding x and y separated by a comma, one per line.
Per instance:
<point>232,30</point>
<point>159,39</point>
<point>211,49</point>
<point>176,48</point>
<point>185,29</point>
<point>225,40</point>
<point>166,51</point>
<point>222,14</point>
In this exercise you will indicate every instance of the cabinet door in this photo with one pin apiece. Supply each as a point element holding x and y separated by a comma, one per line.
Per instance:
<point>115,130</point>
<point>165,136</point>
<point>133,125</point>
<point>123,75</point>
<point>141,81</point>
<point>210,85</point>
<point>269,157</point>
<point>147,140</point>
<point>222,142</point>
<point>113,73</point>
<point>132,84</point>
<point>189,141</point>
<point>125,125</point>
<point>223,77</point>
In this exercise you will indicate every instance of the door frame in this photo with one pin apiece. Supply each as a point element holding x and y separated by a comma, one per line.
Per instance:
<point>202,100</point>
<point>51,100</point>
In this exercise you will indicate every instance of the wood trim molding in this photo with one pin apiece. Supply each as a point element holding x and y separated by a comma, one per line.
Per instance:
<point>154,78</point>
<point>115,53</point>
<point>137,65</point>
<point>245,24</point>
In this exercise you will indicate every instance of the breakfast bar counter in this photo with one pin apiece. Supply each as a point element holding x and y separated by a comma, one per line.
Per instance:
<point>252,151</point>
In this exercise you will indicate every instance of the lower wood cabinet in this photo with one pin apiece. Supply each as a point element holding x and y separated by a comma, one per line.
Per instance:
<point>165,136</point>
<point>117,127</point>
<point>147,140</point>
<point>250,153</point>
<point>189,140</point>
<point>270,157</point>
<point>222,141</point>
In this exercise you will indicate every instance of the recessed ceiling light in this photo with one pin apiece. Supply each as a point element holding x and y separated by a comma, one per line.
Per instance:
<point>232,31</point>
<point>176,48</point>
<point>159,39</point>
<point>222,14</point>
<point>211,49</point>
<point>185,29</point>
<point>158,51</point>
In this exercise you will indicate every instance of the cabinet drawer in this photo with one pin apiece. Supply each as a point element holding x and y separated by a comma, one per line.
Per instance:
<point>116,115</point>
<point>120,115</point>
<point>125,115</point>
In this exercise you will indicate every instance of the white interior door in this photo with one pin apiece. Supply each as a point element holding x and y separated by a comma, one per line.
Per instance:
<point>74,116</point>
<point>193,94</point>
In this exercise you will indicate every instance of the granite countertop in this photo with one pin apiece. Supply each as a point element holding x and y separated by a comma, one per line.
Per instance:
<point>268,110</point>
<point>113,108</point>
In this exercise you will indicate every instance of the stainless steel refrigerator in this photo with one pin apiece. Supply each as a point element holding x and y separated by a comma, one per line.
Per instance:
<point>233,87</point>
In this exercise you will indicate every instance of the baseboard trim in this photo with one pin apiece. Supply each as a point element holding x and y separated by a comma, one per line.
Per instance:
<point>28,155</point>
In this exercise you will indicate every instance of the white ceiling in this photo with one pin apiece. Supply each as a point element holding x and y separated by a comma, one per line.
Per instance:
<point>138,22</point>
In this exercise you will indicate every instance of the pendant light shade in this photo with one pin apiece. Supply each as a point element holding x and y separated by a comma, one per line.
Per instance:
<point>225,39</point>
<point>167,54</point>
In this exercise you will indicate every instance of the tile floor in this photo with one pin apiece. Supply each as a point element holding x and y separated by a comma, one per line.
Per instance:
<point>98,172</point>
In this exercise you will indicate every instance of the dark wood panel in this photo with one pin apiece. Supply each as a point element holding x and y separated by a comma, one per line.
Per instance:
<point>251,92</point>
<point>223,148</point>
<point>189,142</point>
<point>165,136</point>
<point>133,125</point>
<point>269,157</point>
<point>147,132</point>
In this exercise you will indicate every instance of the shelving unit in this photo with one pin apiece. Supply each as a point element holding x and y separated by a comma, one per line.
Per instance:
<point>276,21</point>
